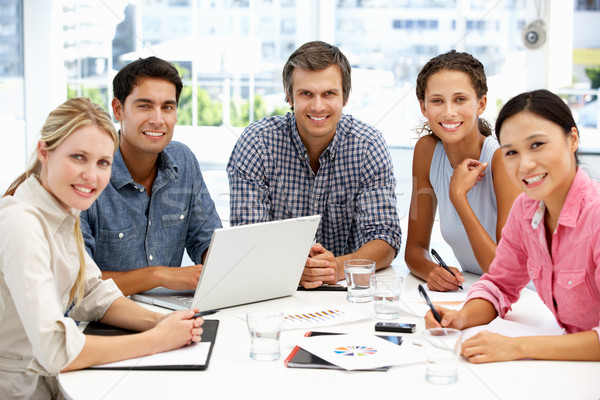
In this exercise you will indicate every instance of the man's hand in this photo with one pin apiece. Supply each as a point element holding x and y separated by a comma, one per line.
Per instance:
<point>321,267</point>
<point>183,278</point>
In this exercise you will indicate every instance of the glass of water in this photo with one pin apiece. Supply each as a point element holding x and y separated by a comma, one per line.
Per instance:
<point>386,289</point>
<point>442,351</point>
<point>265,330</point>
<point>358,275</point>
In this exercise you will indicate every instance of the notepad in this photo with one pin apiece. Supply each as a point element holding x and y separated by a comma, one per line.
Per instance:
<point>191,357</point>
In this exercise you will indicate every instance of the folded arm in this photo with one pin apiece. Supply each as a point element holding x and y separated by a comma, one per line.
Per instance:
<point>142,279</point>
<point>423,204</point>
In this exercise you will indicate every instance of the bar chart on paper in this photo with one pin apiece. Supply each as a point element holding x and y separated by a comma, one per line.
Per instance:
<point>307,318</point>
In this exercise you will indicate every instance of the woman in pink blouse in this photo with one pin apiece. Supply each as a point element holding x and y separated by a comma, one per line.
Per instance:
<point>551,237</point>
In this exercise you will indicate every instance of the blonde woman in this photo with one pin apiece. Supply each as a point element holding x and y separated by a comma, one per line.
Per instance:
<point>44,269</point>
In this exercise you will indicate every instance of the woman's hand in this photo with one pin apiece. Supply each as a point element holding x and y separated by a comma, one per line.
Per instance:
<point>450,319</point>
<point>465,177</point>
<point>487,347</point>
<point>441,280</point>
<point>177,329</point>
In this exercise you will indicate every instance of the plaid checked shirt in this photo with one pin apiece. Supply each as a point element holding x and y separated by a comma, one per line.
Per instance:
<point>270,179</point>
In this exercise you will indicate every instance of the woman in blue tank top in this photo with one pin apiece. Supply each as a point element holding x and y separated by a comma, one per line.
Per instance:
<point>458,169</point>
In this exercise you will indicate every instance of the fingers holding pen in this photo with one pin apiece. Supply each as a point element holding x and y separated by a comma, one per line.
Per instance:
<point>440,280</point>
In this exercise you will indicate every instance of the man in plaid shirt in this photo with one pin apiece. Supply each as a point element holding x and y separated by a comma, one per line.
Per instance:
<point>315,160</point>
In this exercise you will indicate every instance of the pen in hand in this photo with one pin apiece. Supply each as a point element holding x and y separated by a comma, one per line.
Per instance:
<point>423,294</point>
<point>442,263</point>
<point>203,313</point>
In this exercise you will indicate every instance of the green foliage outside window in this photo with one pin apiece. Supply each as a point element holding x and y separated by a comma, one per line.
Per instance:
<point>210,110</point>
<point>96,95</point>
<point>594,74</point>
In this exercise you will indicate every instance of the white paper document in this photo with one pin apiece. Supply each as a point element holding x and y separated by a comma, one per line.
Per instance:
<point>193,354</point>
<point>360,351</point>
<point>307,318</point>
<point>511,329</point>
<point>314,317</point>
<point>412,302</point>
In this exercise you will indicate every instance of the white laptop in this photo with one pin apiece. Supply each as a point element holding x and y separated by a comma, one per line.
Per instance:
<point>245,264</point>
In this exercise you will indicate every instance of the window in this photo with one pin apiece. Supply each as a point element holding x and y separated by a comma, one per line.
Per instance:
<point>13,152</point>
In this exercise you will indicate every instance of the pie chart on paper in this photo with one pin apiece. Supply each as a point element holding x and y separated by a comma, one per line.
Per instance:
<point>355,351</point>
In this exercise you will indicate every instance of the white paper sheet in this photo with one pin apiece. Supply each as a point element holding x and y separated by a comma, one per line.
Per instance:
<point>193,354</point>
<point>510,328</point>
<point>412,302</point>
<point>314,317</point>
<point>307,318</point>
<point>360,351</point>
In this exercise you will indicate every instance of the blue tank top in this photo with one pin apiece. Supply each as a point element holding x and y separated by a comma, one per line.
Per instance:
<point>481,197</point>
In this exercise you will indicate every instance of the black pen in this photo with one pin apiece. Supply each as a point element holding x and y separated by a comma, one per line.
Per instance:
<point>423,294</point>
<point>203,313</point>
<point>443,264</point>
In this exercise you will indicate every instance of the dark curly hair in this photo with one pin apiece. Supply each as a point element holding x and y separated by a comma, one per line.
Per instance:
<point>455,61</point>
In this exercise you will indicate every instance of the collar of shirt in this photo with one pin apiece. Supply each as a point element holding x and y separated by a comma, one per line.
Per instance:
<point>572,206</point>
<point>32,192</point>
<point>331,148</point>
<point>167,169</point>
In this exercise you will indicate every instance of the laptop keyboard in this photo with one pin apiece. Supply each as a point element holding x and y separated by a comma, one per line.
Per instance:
<point>186,300</point>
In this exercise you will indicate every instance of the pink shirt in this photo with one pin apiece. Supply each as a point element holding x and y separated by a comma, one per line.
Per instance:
<point>568,278</point>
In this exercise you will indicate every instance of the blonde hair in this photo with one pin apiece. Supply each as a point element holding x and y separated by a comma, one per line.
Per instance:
<point>60,124</point>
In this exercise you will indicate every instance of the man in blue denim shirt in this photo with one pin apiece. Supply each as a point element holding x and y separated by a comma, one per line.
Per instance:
<point>318,161</point>
<point>157,203</point>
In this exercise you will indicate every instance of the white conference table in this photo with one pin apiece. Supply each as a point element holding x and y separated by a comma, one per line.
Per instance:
<point>232,372</point>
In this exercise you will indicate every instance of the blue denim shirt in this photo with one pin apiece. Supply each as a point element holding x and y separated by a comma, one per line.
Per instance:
<point>125,229</point>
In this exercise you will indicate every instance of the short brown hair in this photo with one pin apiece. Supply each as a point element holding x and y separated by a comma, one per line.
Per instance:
<point>315,56</point>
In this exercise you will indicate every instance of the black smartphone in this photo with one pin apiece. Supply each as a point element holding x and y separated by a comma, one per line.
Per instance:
<point>395,327</point>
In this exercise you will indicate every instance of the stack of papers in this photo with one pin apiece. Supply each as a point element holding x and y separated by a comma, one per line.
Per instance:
<point>360,351</point>
<point>193,354</point>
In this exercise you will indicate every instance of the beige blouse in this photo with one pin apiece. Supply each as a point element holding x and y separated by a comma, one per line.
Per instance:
<point>39,263</point>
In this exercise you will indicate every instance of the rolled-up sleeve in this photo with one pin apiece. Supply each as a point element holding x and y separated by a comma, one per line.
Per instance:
<point>203,217</point>
<point>24,255</point>
<point>377,215</point>
<point>508,274</point>
<point>98,295</point>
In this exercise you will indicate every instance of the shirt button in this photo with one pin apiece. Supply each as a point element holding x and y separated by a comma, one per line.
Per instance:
<point>149,223</point>
<point>150,257</point>
<point>121,235</point>
<point>181,217</point>
<point>569,282</point>
<point>316,204</point>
